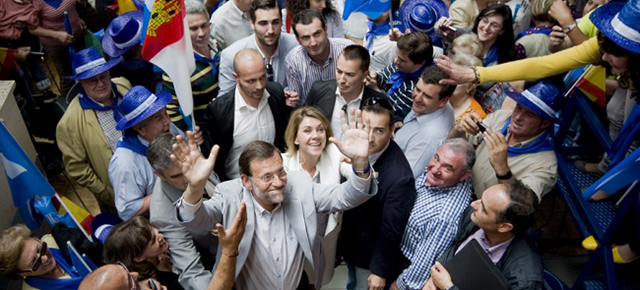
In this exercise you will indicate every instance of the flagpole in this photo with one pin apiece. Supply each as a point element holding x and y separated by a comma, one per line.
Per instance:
<point>575,83</point>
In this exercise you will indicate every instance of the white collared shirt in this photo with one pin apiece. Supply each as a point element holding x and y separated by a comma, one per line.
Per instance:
<point>249,124</point>
<point>336,124</point>
<point>276,258</point>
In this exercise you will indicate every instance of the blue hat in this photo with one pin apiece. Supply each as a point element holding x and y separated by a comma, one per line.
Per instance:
<point>138,104</point>
<point>102,224</point>
<point>543,99</point>
<point>620,22</point>
<point>122,33</point>
<point>422,15</point>
<point>89,62</point>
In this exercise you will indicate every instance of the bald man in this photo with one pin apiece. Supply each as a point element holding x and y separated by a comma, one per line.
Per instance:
<point>116,277</point>
<point>254,110</point>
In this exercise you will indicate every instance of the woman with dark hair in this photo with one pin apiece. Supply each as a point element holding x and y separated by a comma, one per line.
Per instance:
<point>494,27</point>
<point>141,248</point>
<point>335,27</point>
<point>616,46</point>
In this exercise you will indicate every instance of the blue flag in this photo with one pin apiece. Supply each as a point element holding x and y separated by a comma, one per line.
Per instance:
<point>621,175</point>
<point>372,8</point>
<point>25,180</point>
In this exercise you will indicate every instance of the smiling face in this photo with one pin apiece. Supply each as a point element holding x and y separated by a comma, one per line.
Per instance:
<point>34,253</point>
<point>311,137</point>
<point>267,181</point>
<point>426,98</point>
<point>446,168</point>
<point>199,32</point>
<point>525,124</point>
<point>267,27</point>
<point>313,38</point>
<point>98,88</point>
<point>349,77</point>
<point>156,247</point>
<point>153,126</point>
<point>489,28</point>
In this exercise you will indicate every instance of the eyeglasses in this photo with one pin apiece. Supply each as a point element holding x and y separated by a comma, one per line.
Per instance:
<point>100,78</point>
<point>268,178</point>
<point>37,261</point>
<point>383,102</point>
<point>133,284</point>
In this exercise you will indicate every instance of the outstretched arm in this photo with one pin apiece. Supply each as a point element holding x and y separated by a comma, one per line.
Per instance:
<point>229,240</point>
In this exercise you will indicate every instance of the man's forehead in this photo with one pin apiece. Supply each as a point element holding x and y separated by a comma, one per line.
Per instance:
<point>310,28</point>
<point>267,14</point>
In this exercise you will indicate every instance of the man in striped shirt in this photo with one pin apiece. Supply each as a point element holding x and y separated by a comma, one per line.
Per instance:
<point>315,59</point>
<point>398,79</point>
<point>443,193</point>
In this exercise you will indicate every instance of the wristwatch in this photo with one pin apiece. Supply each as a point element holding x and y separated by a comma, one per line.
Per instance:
<point>569,28</point>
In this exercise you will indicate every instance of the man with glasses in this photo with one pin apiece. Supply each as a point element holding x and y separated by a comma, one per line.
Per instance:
<point>267,38</point>
<point>254,110</point>
<point>347,91</point>
<point>282,207</point>
<point>371,233</point>
<point>87,134</point>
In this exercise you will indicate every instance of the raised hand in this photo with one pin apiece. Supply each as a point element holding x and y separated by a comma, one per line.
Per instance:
<point>231,237</point>
<point>498,151</point>
<point>458,74</point>
<point>469,123</point>
<point>195,168</point>
<point>291,98</point>
<point>356,140</point>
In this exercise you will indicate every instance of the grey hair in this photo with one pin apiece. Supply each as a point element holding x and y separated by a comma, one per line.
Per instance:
<point>461,145</point>
<point>195,7</point>
<point>159,152</point>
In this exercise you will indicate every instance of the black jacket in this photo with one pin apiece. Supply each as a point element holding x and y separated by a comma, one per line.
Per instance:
<point>219,120</point>
<point>322,96</point>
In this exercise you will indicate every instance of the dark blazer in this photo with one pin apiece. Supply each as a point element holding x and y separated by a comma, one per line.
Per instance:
<point>322,96</point>
<point>520,263</point>
<point>372,232</point>
<point>219,119</point>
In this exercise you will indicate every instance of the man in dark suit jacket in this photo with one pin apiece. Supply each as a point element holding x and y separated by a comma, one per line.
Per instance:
<point>347,90</point>
<point>505,212</point>
<point>245,114</point>
<point>372,232</point>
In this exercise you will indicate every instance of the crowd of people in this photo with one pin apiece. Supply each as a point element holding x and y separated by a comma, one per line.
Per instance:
<point>311,142</point>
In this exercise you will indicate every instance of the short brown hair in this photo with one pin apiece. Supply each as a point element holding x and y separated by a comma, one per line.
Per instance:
<point>11,242</point>
<point>294,124</point>
<point>417,45</point>
<point>256,150</point>
<point>357,52</point>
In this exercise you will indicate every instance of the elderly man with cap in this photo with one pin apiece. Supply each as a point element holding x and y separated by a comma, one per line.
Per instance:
<point>87,133</point>
<point>122,39</point>
<point>516,144</point>
<point>143,118</point>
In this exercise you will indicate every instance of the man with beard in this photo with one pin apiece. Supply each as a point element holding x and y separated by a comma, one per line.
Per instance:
<point>254,110</point>
<point>143,118</point>
<point>282,207</point>
<point>204,80</point>
<point>266,22</point>
<point>193,252</point>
